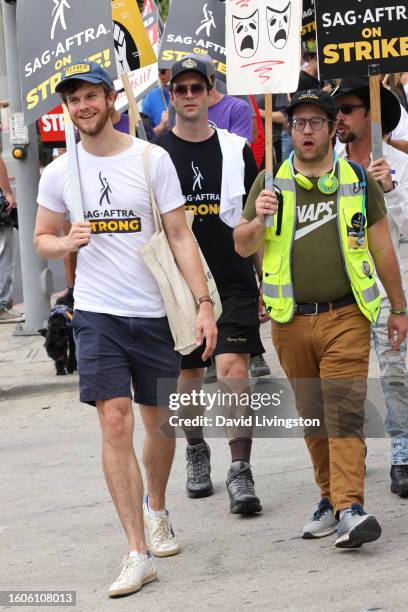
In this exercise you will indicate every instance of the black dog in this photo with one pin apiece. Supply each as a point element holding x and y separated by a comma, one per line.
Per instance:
<point>59,339</point>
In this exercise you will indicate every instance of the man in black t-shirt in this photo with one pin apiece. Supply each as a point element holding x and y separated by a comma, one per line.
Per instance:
<point>204,159</point>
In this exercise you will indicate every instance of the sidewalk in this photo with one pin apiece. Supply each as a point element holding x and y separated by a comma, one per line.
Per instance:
<point>59,529</point>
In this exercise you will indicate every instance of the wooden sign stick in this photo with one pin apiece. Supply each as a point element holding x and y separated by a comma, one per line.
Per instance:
<point>375,112</point>
<point>268,151</point>
<point>135,120</point>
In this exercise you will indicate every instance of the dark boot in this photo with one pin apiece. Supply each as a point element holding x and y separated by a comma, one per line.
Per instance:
<point>198,470</point>
<point>258,366</point>
<point>240,487</point>
<point>399,480</point>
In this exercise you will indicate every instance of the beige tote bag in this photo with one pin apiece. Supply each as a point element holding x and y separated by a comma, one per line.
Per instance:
<point>179,302</point>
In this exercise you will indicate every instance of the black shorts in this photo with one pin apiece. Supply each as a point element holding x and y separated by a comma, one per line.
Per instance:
<point>238,331</point>
<point>113,352</point>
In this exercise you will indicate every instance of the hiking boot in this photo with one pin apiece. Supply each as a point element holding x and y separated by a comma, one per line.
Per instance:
<point>210,375</point>
<point>9,315</point>
<point>356,527</point>
<point>322,523</point>
<point>198,470</point>
<point>258,366</point>
<point>137,570</point>
<point>241,490</point>
<point>399,480</point>
<point>162,540</point>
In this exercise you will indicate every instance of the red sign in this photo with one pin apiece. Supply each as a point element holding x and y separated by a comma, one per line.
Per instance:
<point>150,16</point>
<point>52,126</point>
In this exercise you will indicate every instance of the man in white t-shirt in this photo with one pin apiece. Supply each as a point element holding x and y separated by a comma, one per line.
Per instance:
<point>121,330</point>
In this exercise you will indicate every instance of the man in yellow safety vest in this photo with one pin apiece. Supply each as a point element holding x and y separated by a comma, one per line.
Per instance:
<point>329,234</point>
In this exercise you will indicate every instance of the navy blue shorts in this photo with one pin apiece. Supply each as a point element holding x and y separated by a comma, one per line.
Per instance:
<point>113,352</point>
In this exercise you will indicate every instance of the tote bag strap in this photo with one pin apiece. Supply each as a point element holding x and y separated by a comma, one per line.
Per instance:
<point>155,209</point>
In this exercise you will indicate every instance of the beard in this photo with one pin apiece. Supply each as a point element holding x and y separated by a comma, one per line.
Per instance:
<point>320,154</point>
<point>347,137</point>
<point>98,127</point>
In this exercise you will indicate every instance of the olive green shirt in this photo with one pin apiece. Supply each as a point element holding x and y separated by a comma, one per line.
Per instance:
<point>317,263</point>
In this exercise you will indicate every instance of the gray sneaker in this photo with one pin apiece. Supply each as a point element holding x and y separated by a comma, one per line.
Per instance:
<point>356,527</point>
<point>322,523</point>
<point>198,470</point>
<point>8,315</point>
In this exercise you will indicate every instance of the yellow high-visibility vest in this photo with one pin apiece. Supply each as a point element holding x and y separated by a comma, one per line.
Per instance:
<point>358,265</point>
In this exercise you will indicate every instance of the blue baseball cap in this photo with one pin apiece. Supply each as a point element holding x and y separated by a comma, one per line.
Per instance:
<point>91,72</point>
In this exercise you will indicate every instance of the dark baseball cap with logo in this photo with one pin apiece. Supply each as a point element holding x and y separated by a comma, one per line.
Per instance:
<point>193,62</point>
<point>91,72</point>
<point>317,97</point>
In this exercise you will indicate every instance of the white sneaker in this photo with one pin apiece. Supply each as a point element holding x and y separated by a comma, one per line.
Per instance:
<point>162,540</point>
<point>137,570</point>
<point>8,315</point>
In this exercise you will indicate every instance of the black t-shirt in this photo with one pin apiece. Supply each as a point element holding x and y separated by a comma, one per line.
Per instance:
<point>199,168</point>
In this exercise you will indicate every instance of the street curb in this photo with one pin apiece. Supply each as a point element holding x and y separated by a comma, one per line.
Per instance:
<point>60,385</point>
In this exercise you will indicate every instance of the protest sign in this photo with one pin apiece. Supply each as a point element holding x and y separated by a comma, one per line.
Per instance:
<point>359,35</point>
<point>263,45</point>
<point>65,32</point>
<point>308,32</point>
<point>152,21</point>
<point>263,56</point>
<point>52,130</point>
<point>132,45</point>
<point>195,27</point>
<point>141,81</point>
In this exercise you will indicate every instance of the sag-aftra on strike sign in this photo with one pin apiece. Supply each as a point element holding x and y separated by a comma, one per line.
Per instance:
<point>361,33</point>
<point>52,34</point>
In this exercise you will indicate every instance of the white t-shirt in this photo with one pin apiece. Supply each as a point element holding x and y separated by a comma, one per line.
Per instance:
<point>111,277</point>
<point>401,131</point>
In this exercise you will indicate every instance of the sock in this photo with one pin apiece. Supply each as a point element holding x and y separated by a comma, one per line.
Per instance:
<point>154,512</point>
<point>241,449</point>
<point>135,553</point>
<point>341,512</point>
<point>194,436</point>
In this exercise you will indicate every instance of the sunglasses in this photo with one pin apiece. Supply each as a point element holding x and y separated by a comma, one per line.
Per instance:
<point>196,89</point>
<point>347,109</point>
<point>162,71</point>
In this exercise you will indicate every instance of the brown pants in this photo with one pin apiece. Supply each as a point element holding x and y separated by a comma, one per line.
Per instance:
<point>325,358</point>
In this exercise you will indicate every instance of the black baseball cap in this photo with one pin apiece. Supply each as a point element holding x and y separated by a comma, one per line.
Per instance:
<point>91,72</point>
<point>194,62</point>
<point>360,87</point>
<point>317,97</point>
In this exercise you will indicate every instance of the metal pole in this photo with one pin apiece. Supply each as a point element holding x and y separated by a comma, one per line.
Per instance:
<point>4,112</point>
<point>36,277</point>
<point>3,78</point>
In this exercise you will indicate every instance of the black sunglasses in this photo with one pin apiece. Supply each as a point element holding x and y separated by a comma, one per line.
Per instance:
<point>162,71</point>
<point>181,91</point>
<point>347,109</point>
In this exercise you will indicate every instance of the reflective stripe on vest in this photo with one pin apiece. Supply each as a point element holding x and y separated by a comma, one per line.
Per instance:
<point>273,290</point>
<point>358,264</point>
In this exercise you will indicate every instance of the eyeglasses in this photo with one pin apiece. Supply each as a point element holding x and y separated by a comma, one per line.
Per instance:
<point>162,71</point>
<point>196,89</point>
<point>347,109</point>
<point>316,123</point>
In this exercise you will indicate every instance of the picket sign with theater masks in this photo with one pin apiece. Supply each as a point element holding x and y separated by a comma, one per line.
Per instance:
<point>263,46</point>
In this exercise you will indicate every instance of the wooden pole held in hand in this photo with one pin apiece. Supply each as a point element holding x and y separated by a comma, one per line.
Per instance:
<point>375,111</point>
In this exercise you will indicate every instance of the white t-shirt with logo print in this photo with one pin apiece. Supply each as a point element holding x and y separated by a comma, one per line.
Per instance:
<point>110,276</point>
